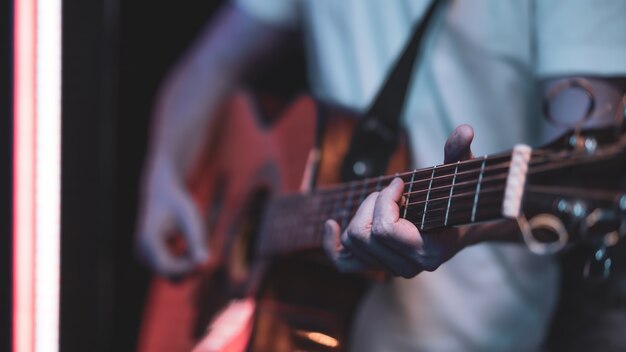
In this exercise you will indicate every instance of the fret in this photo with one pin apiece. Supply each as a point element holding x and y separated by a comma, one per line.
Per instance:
<point>295,222</point>
<point>408,195</point>
<point>430,185</point>
<point>480,179</point>
<point>456,170</point>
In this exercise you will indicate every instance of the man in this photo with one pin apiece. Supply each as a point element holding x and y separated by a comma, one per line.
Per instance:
<point>482,65</point>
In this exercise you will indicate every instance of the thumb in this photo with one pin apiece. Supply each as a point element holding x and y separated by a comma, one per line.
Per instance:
<point>458,145</point>
<point>193,228</point>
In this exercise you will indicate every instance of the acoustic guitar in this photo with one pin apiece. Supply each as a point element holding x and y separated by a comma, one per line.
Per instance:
<point>268,286</point>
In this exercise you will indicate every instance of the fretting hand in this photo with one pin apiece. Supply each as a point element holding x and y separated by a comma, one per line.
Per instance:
<point>378,239</point>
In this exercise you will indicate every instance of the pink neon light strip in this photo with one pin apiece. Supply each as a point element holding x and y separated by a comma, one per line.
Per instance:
<point>24,175</point>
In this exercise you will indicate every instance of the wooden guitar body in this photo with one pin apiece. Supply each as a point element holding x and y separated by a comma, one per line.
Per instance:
<point>268,286</point>
<point>301,303</point>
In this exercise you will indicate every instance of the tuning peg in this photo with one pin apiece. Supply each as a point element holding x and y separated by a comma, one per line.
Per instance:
<point>598,266</point>
<point>543,222</point>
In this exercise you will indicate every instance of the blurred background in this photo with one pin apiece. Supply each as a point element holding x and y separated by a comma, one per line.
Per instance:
<point>114,54</point>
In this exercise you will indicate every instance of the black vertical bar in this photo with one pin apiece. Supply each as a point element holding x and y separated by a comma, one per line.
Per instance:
<point>88,166</point>
<point>6,174</point>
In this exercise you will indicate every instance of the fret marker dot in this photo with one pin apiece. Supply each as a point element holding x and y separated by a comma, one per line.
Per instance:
<point>359,168</point>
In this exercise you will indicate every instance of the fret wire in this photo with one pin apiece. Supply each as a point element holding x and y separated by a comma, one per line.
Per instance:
<point>427,196</point>
<point>500,166</point>
<point>494,209</point>
<point>538,158</point>
<point>456,196</point>
<point>451,189</point>
<point>534,162</point>
<point>456,208</point>
<point>436,223</point>
<point>314,241</point>
<point>443,167</point>
<point>438,178</point>
<point>480,178</point>
<point>466,207</point>
<point>461,195</point>
<point>498,177</point>
<point>408,195</point>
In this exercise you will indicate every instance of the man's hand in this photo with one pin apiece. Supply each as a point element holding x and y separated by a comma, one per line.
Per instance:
<point>167,209</point>
<point>378,239</point>
<point>232,46</point>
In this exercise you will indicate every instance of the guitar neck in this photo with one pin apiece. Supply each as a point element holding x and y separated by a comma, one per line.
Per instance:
<point>447,195</point>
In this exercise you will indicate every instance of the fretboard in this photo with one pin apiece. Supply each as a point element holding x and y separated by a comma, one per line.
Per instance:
<point>437,197</point>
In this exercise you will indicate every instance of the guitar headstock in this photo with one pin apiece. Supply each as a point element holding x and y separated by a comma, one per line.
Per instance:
<point>576,191</point>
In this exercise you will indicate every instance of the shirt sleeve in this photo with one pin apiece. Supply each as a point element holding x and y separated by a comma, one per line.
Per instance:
<point>281,13</point>
<point>580,37</point>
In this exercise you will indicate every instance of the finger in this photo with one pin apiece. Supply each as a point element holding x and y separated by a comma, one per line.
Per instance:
<point>343,260</point>
<point>360,226</point>
<point>170,266</point>
<point>357,236</point>
<point>192,228</point>
<point>357,240</point>
<point>386,221</point>
<point>152,246</point>
<point>458,145</point>
<point>155,251</point>
<point>381,257</point>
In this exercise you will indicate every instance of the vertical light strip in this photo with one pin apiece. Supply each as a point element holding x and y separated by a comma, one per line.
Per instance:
<point>36,191</point>
<point>47,176</point>
<point>23,174</point>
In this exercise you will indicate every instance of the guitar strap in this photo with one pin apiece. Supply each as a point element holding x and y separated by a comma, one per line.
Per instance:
<point>376,135</point>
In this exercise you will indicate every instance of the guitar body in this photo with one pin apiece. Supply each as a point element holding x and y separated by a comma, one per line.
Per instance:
<point>300,301</point>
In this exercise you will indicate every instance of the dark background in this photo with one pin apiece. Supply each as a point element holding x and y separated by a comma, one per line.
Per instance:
<point>6,172</point>
<point>115,53</point>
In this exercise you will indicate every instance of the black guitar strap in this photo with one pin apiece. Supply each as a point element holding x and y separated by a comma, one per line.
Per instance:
<point>376,135</point>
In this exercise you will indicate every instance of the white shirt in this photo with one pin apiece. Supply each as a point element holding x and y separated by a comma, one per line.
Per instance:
<point>482,64</point>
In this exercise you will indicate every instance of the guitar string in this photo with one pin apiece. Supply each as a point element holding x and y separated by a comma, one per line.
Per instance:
<point>343,210</point>
<point>474,172</point>
<point>471,175</point>
<point>315,234</point>
<point>288,242</point>
<point>457,210</point>
<point>538,157</point>
<point>323,201</point>
<point>549,167</point>
<point>316,218</point>
<point>450,167</point>
<point>436,220</point>
<point>418,172</point>
<point>470,183</point>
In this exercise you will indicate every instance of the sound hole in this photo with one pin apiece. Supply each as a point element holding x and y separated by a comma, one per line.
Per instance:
<point>243,253</point>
